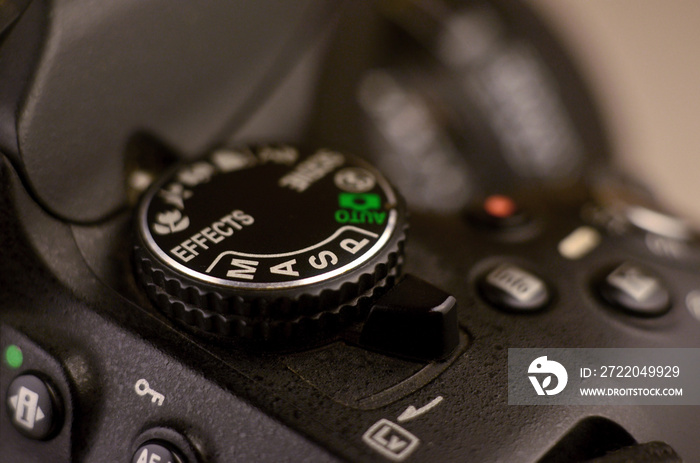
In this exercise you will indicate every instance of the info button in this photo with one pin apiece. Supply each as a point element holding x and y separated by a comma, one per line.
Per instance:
<point>512,288</point>
<point>34,407</point>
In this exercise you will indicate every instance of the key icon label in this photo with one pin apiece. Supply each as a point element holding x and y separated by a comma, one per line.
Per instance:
<point>142,388</point>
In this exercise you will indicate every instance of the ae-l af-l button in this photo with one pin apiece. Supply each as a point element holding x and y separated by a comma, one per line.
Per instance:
<point>157,452</point>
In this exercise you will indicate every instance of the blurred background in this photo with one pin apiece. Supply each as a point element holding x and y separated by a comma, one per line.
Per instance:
<point>642,58</point>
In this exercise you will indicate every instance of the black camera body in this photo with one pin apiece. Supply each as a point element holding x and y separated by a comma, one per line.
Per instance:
<point>498,222</point>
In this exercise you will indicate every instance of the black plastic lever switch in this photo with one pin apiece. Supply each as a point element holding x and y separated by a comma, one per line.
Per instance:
<point>415,320</point>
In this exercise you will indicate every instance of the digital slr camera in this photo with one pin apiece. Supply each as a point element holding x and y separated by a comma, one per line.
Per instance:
<point>319,231</point>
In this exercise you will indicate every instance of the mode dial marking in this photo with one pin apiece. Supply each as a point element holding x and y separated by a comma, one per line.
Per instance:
<point>270,223</point>
<point>315,263</point>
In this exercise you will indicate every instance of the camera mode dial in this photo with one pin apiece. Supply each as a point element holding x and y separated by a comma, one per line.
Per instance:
<point>269,243</point>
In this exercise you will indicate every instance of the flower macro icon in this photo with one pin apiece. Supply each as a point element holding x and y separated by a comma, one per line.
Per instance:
<point>540,367</point>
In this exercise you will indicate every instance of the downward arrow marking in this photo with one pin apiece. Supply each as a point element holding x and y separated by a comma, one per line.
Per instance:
<point>412,412</point>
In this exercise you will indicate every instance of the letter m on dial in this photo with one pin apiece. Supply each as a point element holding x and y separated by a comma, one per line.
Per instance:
<point>243,269</point>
